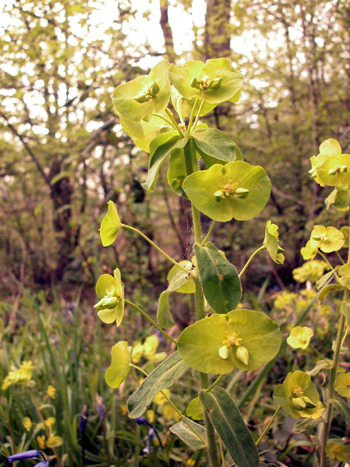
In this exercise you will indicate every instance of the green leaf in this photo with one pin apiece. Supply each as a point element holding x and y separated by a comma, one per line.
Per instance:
<point>120,366</point>
<point>306,424</point>
<point>177,171</point>
<point>322,280</point>
<point>343,409</point>
<point>326,290</point>
<point>110,225</point>
<point>161,378</point>
<point>228,422</point>
<point>236,190</point>
<point>342,384</point>
<point>216,144</point>
<point>345,309</point>
<point>183,431</point>
<point>164,316</point>
<point>195,409</point>
<point>178,282</point>
<point>219,278</point>
<point>199,344</point>
<point>160,148</point>
<point>344,275</point>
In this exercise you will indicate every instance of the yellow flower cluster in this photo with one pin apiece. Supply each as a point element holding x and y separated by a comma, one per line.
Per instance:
<point>148,350</point>
<point>22,375</point>
<point>311,270</point>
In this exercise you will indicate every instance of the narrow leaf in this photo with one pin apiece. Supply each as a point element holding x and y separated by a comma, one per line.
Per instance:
<point>183,431</point>
<point>343,409</point>
<point>326,290</point>
<point>164,317</point>
<point>228,422</point>
<point>161,378</point>
<point>159,151</point>
<point>219,278</point>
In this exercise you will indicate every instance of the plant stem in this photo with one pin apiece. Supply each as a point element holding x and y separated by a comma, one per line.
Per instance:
<point>197,118</point>
<point>191,116</point>
<point>128,227</point>
<point>200,314</point>
<point>168,111</point>
<point>184,419</point>
<point>145,315</point>
<point>215,383</point>
<point>341,259</point>
<point>166,120</point>
<point>250,260</point>
<point>209,233</point>
<point>268,426</point>
<point>329,264</point>
<point>316,351</point>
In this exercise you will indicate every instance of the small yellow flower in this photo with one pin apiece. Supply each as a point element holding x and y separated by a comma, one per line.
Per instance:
<point>299,337</point>
<point>137,352</point>
<point>150,415</point>
<point>41,441</point>
<point>50,421</point>
<point>160,399</point>
<point>190,462</point>
<point>150,346</point>
<point>170,414</point>
<point>54,442</point>
<point>51,391</point>
<point>27,423</point>
<point>123,409</point>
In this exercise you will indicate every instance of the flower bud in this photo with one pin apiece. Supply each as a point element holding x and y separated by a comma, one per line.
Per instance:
<point>240,193</point>
<point>108,302</point>
<point>224,352</point>
<point>243,355</point>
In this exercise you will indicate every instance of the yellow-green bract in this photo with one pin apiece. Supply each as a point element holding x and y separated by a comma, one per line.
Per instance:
<point>200,343</point>
<point>110,225</point>
<point>120,366</point>
<point>110,290</point>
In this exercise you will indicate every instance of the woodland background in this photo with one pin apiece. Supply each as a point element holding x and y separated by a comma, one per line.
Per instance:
<point>59,166</point>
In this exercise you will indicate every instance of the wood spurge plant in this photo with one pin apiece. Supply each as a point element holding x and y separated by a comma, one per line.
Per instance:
<point>208,169</point>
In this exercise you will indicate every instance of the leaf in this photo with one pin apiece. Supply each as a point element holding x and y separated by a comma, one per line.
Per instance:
<point>321,282</point>
<point>183,431</point>
<point>199,344</point>
<point>236,190</point>
<point>345,309</point>
<point>219,278</point>
<point>164,317</point>
<point>326,290</point>
<point>306,424</point>
<point>195,409</point>
<point>325,364</point>
<point>162,377</point>
<point>110,225</point>
<point>160,148</point>
<point>343,409</point>
<point>214,143</point>
<point>228,422</point>
<point>189,286</point>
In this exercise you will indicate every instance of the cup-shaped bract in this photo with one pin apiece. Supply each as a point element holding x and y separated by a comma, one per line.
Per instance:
<point>328,148</point>
<point>307,252</point>
<point>342,385</point>
<point>299,337</point>
<point>310,271</point>
<point>214,81</point>
<point>236,190</point>
<point>110,290</point>
<point>271,243</point>
<point>256,337</point>
<point>327,239</point>
<point>339,451</point>
<point>334,170</point>
<point>110,225</point>
<point>142,133</point>
<point>120,365</point>
<point>184,106</point>
<point>138,99</point>
<point>298,396</point>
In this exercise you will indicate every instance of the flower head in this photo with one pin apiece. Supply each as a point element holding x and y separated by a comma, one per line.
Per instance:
<point>299,337</point>
<point>22,375</point>
<point>138,99</point>
<point>111,292</point>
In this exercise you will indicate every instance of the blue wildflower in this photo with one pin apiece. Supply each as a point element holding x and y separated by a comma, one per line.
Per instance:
<point>100,407</point>
<point>33,454</point>
<point>83,419</point>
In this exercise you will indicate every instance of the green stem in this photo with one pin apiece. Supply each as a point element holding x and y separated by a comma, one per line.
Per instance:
<point>184,419</point>
<point>179,111</point>
<point>128,227</point>
<point>316,351</point>
<point>168,111</point>
<point>222,453</point>
<point>198,114</point>
<point>329,264</point>
<point>215,383</point>
<point>250,260</point>
<point>192,116</point>
<point>209,233</point>
<point>341,259</point>
<point>268,426</point>
<point>166,120</point>
<point>200,314</point>
<point>151,321</point>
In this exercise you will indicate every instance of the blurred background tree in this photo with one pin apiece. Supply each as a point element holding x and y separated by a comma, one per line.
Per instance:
<point>64,155</point>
